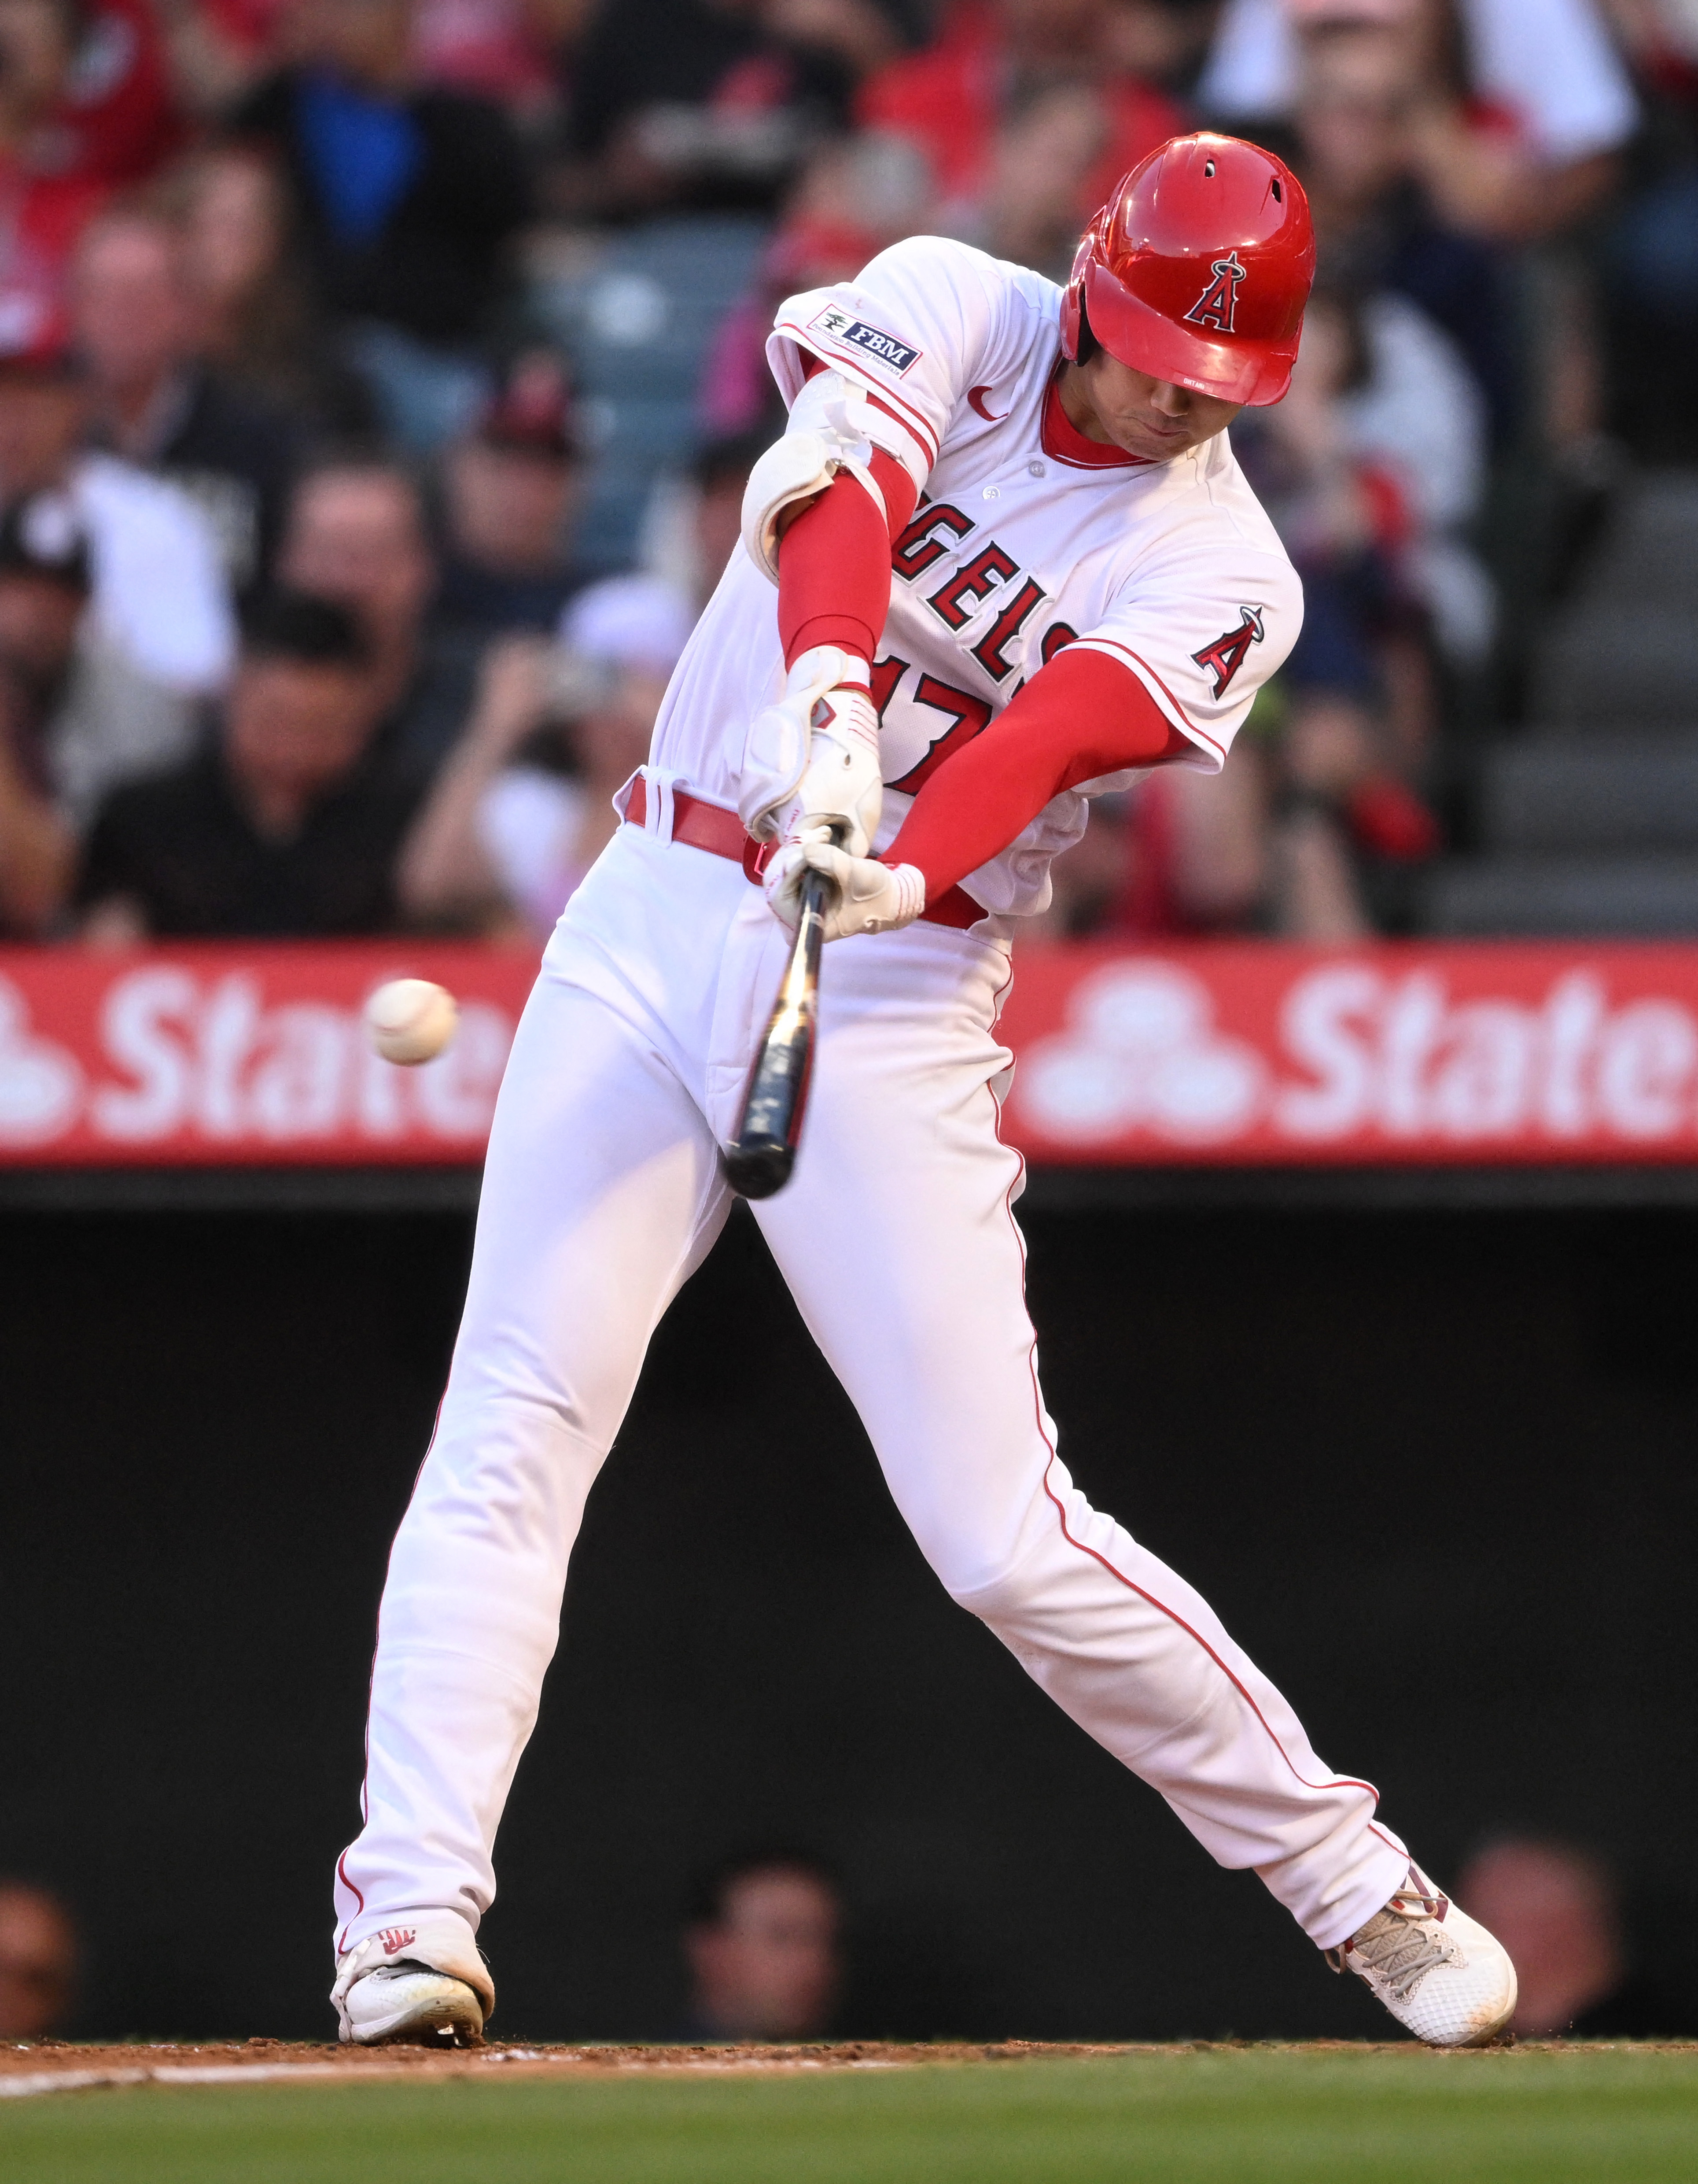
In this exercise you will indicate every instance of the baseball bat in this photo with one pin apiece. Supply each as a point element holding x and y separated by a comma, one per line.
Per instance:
<point>759,1158</point>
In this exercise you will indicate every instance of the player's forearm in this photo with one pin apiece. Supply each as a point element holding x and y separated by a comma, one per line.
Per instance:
<point>834,562</point>
<point>1082,717</point>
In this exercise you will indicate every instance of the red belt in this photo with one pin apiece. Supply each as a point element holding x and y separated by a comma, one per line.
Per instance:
<point>721,833</point>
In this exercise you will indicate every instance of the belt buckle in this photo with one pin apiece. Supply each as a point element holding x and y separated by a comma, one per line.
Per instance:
<point>756,857</point>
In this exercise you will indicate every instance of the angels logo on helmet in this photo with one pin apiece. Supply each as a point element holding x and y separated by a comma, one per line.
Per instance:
<point>1134,280</point>
<point>1217,305</point>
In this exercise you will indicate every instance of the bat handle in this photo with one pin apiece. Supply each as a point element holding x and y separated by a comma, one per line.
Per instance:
<point>818,893</point>
<point>759,1160</point>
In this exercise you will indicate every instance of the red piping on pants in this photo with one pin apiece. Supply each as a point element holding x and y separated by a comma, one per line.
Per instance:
<point>1338,1781</point>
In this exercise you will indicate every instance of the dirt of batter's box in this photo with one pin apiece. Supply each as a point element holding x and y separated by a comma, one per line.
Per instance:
<point>44,2066</point>
<point>215,2062</point>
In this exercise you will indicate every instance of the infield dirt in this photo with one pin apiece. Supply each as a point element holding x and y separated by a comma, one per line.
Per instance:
<point>48,2066</point>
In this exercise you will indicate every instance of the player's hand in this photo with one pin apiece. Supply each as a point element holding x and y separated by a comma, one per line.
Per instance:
<point>823,694</point>
<point>868,897</point>
<point>843,790</point>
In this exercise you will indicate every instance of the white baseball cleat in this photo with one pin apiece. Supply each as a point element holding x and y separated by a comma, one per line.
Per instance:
<point>422,1981</point>
<point>1437,1970</point>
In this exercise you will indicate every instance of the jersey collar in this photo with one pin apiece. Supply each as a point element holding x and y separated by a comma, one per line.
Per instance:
<point>1064,442</point>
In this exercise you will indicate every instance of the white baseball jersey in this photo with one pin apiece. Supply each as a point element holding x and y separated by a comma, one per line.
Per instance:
<point>1172,569</point>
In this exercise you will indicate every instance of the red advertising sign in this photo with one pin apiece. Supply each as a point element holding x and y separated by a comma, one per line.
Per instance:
<point>1419,1053</point>
<point>219,1056</point>
<point>1254,1053</point>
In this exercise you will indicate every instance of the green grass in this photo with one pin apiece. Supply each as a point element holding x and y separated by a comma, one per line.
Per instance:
<point>1240,2117</point>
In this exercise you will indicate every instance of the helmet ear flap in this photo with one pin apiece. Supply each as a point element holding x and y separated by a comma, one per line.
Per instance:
<point>1073,298</point>
<point>1073,295</point>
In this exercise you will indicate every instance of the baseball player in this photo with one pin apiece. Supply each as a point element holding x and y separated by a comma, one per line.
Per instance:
<point>1002,560</point>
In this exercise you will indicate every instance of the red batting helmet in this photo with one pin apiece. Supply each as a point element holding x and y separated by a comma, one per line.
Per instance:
<point>1197,270</point>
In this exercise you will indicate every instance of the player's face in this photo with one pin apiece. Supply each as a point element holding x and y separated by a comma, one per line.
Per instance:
<point>1150,418</point>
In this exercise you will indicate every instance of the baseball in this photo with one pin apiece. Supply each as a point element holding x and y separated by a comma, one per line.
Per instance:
<point>411,1020</point>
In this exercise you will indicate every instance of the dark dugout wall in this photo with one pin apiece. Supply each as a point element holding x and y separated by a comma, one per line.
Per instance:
<point>1436,1471</point>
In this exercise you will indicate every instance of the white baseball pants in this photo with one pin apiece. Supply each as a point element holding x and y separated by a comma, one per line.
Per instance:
<point>602,1193</point>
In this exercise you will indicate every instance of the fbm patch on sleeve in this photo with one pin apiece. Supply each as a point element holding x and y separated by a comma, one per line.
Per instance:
<point>840,325</point>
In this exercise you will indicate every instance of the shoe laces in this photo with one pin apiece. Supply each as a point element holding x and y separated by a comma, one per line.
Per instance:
<point>1400,1946</point>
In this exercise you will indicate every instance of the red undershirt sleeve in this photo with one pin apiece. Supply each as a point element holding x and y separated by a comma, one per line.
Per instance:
<point>1082,717</point>
<point>834,562</point>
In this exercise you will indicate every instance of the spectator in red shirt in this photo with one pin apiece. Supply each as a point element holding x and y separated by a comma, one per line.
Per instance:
<point>46,199</point>
<point>85,106</point>
<point>117,118</point>
<point>952,99</point>
<point>503,49</point>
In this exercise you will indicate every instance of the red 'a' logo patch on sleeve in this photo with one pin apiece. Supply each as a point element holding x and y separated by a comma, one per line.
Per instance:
<point>1223,659</point>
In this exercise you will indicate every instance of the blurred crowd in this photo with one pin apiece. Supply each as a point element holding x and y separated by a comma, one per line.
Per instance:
<point>378,379</point>
<point>767,1943</point>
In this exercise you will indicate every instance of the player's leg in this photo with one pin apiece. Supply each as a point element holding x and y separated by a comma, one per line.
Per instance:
<point>897,1239</point>
<point>601,1193</point>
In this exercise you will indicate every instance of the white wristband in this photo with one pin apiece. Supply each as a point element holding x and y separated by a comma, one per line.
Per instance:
<point>910,891</point>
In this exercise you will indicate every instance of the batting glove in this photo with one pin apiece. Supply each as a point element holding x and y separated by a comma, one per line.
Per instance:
<point>815,752</point>
<point>843,791</point>
<point>869,897</point>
